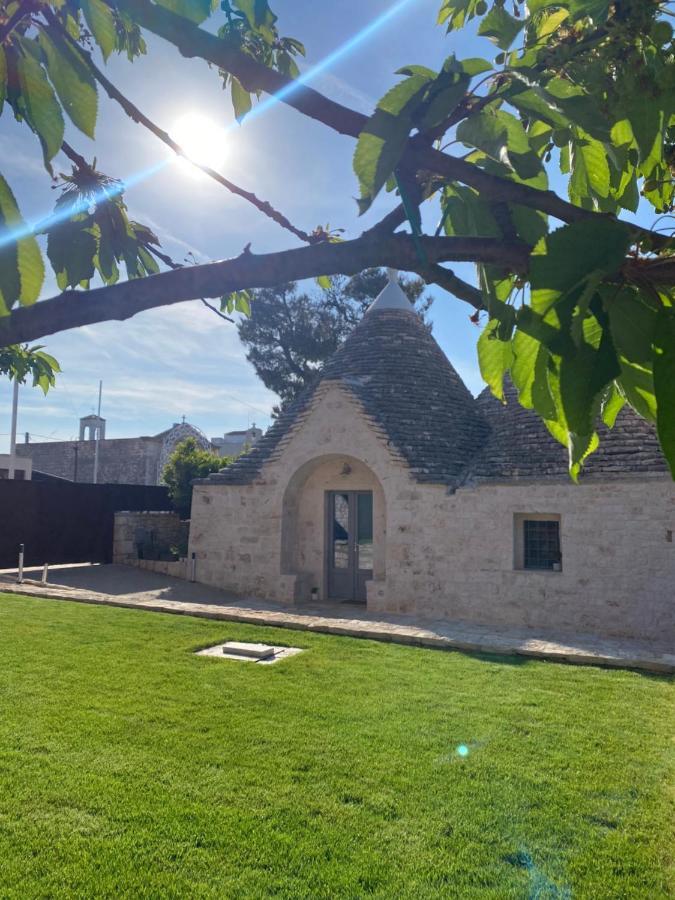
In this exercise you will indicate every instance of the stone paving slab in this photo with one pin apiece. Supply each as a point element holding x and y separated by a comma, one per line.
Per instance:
<point>135,589</point>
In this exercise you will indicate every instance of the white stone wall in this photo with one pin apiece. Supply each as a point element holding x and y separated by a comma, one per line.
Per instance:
<point>453,556</point>
<point>166,527</point>
<point>442,555</point>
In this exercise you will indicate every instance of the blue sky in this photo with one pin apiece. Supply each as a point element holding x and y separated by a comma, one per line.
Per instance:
<point>183,360</point>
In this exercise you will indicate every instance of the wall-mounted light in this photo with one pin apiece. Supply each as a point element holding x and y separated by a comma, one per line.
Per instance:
<point>346,469</point>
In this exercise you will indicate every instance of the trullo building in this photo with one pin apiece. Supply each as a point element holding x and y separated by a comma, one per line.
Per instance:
<point>387,483</point>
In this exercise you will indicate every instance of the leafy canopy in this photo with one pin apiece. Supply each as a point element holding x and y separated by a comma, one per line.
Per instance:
<point>578,312</point>
<point>187,462</point>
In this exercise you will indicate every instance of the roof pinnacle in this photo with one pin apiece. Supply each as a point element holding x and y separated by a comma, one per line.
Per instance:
<point>391,296</point>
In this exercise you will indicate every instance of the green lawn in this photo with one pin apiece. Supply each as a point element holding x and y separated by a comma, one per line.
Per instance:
<point>130,767</point>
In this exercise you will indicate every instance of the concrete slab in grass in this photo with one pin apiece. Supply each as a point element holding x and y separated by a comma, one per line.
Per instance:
<point>264,654</point>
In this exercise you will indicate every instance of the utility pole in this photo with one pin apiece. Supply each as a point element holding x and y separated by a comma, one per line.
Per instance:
<point>12,438</point>
<point>98,432</point>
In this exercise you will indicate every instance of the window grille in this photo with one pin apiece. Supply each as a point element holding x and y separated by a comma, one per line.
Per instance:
<point>541,544</point>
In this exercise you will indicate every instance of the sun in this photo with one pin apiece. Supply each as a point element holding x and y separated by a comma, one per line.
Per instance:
<point>203,140</point>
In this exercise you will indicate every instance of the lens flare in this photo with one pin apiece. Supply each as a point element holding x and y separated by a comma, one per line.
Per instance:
<point>17,234</point>
<point>10,236</point>
<point>462,750</point>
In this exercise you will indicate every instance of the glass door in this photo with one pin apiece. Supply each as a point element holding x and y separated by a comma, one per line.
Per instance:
<point>349,544</point>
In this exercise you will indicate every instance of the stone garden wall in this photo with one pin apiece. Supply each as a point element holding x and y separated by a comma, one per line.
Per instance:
<point>146,539</point>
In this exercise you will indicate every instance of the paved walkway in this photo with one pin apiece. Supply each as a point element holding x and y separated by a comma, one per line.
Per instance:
<point>132,588</point>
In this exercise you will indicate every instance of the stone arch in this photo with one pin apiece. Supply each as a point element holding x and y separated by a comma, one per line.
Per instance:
<point>304,511</point>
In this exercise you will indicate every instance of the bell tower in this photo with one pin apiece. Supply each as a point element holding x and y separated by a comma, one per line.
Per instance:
<point>92,428</point>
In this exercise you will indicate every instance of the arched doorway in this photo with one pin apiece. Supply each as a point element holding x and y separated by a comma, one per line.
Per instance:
<point>334,527</point>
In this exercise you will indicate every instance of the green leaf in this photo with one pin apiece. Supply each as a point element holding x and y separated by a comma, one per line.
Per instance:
<point>500,27</point>
<point>569,256</point>
<point>43,111</point>
<point>466,215</point>
<point>611,405</point>
<point>535,102</point>
<point>148,261</point>
<point>242,303</point>
<point>645,117</point>
<point>424,71</point>
<point>550,22</point>
<point>72,250</point>
<point>664,384</point>
<point>494,358</point>
<point>632,322</point>
<point>382,141</point>
<point>457,12</point>
<point>324,282</point>
<point>72,81</point>
<point>637,384</point>
<point>583,378</point>
<point>443,96</point>
<point>21,267</point>
<point>239,301</point>
<point>259,16</point>
<point>475,65</point>
<point>579,445</point>
<point>525,351</point>
<point>531,225</point>
<point>580,108</point>
<point>621,133</point>
<point>99,18</point>
<point>241,99</point>
<point>501,136</point>
<point>542,398</point>
<point>590,169</point>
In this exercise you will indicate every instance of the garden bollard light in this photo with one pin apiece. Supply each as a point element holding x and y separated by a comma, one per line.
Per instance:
<point>20,577</point>
<point>193,567</point>
<point>45,573</point>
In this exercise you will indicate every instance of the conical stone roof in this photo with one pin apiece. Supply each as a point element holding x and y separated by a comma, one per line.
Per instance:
<point>520,446</point>
<point>394,366</point>
<point>405,383</point>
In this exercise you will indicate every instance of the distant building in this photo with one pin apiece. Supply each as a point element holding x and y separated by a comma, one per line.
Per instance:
<point>138,460</point>
<point>22,467</point>
<point>234,443</point>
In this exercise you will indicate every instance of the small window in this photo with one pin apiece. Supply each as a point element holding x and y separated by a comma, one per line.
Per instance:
<point>537,542</point>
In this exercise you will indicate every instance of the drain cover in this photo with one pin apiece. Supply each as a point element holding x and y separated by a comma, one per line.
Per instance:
<point>265,654</point>
<point>256,651</point>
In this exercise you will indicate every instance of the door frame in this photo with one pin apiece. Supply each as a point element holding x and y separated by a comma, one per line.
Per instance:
<point>327,540</point>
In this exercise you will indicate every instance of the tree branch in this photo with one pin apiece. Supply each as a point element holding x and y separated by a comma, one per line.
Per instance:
<point>172,264</point>
<point>447,279</point>
<point>22,10</point>
<point>136,115</point>
<point>75,157</point>
<point>193,41</point>
<point>72,309</point>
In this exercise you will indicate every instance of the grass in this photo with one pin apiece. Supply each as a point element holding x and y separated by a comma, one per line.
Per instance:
<point>131,768</point>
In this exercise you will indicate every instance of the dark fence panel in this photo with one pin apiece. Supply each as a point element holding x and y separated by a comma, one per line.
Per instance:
<point>63,522</point>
